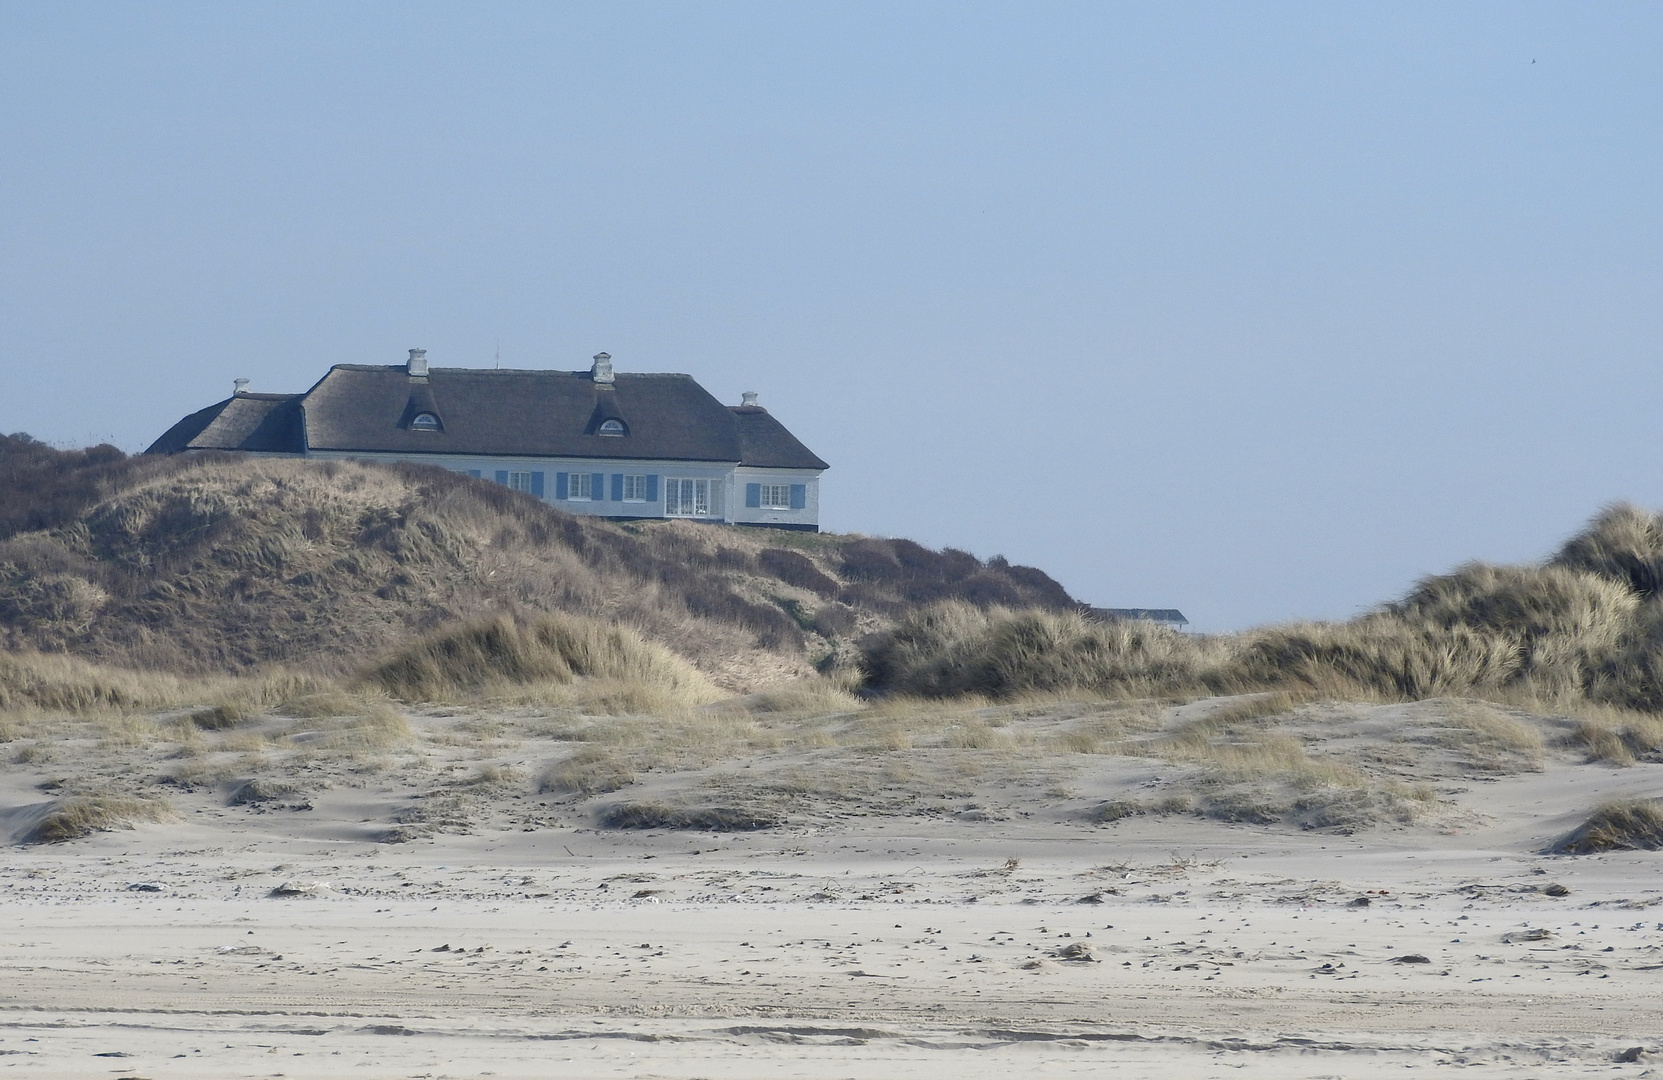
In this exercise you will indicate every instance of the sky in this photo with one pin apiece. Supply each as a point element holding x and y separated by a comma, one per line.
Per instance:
<point>1259,311</point>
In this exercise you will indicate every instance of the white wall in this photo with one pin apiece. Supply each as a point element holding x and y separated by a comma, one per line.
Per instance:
<point>750,515</point>
<point>730,482</point>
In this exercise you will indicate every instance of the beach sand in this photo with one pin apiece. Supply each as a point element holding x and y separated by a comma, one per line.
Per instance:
<point>297,943</point>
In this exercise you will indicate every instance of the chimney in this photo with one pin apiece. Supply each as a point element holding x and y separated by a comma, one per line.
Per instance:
<point>748,399</point>
<point>418,364</point>
<point>602,371</point>
<point>241,386</point>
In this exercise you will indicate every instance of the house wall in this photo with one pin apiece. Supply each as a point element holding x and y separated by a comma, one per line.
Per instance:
<point>726,485</point>
<point>805,481</point>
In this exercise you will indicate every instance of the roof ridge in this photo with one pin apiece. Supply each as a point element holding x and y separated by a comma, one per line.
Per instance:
<point>585,375</point>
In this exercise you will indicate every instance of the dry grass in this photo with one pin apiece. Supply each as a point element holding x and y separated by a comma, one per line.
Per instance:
<point>1625,824</point>
<point>653,815</point>
<point>514,657</point>
<point>1585,627</point>
<point>953,649</point>
<point>57,683</point>
<point>1618,736</point>
<point>212,564</point>
<point>75,816</point>
<point>1488,740</point>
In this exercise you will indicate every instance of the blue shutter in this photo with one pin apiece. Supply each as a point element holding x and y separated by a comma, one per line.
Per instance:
<point>502,477</point>
<point>597,486</point>
<point>617,487</point>
<point>474,473</point>
<point>799,496</point>
<point>652,487</point>
<point>537,484</point>
<point>753,494</point>
<point>560,485</point>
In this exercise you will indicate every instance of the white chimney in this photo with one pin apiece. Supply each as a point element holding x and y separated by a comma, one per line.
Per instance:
<point>602,371</point>
<point>418,363</point>
<point>241,386</point>
<point>748,399</point>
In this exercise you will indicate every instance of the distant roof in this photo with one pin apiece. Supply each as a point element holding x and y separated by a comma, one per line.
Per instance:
<point>268,423</point>
<point>1113,614</point>
<point>372,409</point>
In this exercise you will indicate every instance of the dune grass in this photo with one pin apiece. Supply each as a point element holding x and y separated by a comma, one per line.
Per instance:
<point>956,649</point>
<point>74,816</point>
<point>1585,627</point>
<point>1624,824</point>
<point>509,657</point>
<point>59,683</point>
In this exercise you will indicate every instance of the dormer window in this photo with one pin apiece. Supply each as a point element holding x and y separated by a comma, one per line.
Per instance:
<point>424,421</point>
<point>614,428</point>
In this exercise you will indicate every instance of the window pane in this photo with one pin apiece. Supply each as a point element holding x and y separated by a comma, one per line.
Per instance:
<point>690,498</point>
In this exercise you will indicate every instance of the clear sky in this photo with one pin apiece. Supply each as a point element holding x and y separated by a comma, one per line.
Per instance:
<point>1258,310</point>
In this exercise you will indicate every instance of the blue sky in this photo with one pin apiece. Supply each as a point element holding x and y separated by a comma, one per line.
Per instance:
<point>1256,310</point>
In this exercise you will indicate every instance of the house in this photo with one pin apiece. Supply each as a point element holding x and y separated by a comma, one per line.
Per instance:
<point>1171,618</point>
<point>617,445</point>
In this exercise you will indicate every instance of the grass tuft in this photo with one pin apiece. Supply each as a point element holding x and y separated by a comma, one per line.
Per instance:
<point>652,815</point>
<point>75,816</point>
<point>1623,825</point>
<point>503,655</point>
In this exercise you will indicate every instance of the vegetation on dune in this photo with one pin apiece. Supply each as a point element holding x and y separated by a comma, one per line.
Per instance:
<point>954,648</point>
<point>130,583</point>
<point>214,564</point>
<point>503,654</point>
<point>75,816</point>
<point>1625,824</point>
<point>1585,627</point>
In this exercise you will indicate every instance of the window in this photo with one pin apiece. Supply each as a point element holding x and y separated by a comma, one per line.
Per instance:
<point>635,488</point>
<point>582,486</point>
<point>613,427</point>
<point>424,421</point>
<point>521,481</point>
<point>776,496</point>
<point>692,498</point>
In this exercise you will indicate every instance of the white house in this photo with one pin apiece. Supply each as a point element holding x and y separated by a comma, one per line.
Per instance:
<point>618,445</point>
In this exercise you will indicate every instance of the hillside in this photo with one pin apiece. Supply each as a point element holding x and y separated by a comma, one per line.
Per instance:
<point>210,565</point>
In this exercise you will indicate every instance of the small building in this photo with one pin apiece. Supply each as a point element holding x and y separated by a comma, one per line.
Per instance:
<point>1171,618</point>
<point>618,445</point>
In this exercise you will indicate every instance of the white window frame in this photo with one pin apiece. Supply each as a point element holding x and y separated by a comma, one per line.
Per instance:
<point>612,429</point>
<point>424,421</point>
<point>580,487</point>
<point>520,481</point>
<point>775,496</point>
<point>692,497</point>
<point>635,487</point>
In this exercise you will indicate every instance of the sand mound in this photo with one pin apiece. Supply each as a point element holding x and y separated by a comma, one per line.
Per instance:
<point>213,564</point>
<point>1625,824</point>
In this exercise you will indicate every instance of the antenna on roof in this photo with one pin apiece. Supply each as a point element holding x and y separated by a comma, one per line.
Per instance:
<point>499,353</point>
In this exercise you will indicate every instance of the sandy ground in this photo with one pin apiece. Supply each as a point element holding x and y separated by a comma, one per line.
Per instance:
<point>294,943</point>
